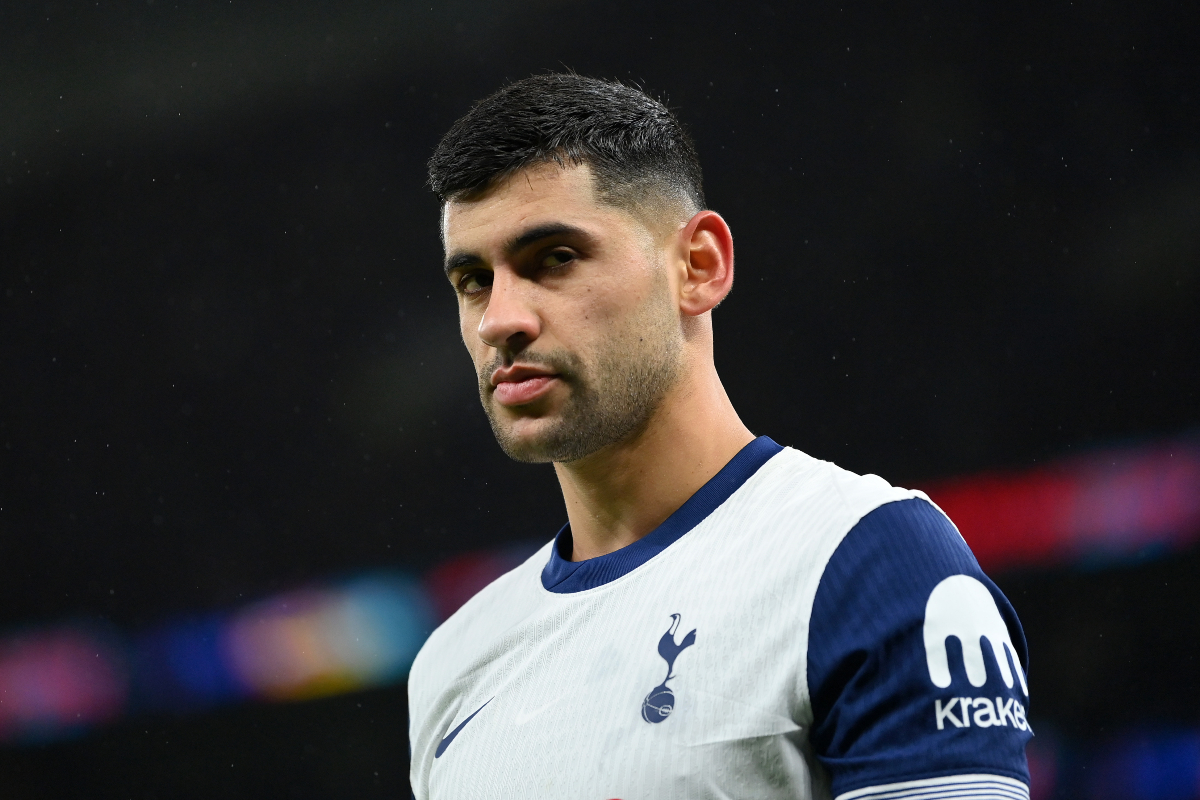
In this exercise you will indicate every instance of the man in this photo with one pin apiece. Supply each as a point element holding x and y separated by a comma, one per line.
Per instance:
<point>721,617</point>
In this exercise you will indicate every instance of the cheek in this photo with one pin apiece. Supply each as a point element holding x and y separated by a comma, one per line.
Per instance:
<point>591,317</point>
<point>613,298</point>
<point>608,322</point>
<point>627,302</point>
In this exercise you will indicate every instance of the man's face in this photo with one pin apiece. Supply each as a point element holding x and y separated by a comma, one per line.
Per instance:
<point>567,308</point>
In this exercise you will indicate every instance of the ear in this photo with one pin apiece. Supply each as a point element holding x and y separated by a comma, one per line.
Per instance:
<point>706,247</point>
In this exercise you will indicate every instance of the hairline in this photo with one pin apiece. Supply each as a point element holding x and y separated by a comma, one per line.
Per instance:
<point>641,200</point>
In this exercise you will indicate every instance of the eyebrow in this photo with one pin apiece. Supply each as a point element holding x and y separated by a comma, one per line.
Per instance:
<point>517,243</point>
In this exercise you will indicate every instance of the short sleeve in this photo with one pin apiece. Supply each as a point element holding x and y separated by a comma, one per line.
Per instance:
<point>916,665</point>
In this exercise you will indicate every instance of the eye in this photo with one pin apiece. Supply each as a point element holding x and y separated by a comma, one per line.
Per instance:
<point>474,282</point>
<point>557,258</point>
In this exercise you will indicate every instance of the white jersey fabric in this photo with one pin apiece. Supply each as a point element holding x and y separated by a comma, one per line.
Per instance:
<point>793,631</point>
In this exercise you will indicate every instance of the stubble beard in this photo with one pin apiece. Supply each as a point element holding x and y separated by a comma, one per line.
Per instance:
<point>609,401</point>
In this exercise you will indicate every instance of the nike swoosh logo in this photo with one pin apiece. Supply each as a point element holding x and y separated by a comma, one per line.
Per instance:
<point>441,748</point>
<point>524,717</point>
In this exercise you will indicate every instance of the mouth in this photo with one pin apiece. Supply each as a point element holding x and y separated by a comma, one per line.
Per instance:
<point>516,386</point>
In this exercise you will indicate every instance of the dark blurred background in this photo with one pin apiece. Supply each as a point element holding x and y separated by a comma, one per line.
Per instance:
<point>968,242</point>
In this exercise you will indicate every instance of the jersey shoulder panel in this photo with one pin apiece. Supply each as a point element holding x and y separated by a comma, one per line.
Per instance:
<point>778,533</point>
<point>795,513</point>
<point>916,663</point>
<point>790,517</point>
<point>794,483</point>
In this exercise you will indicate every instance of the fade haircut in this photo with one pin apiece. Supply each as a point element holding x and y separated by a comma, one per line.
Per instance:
<point>641,157</point>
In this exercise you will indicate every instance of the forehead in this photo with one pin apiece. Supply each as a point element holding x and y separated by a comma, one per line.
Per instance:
<point>537,195</point>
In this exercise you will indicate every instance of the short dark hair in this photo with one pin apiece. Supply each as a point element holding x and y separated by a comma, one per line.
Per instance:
<point>638,151</point>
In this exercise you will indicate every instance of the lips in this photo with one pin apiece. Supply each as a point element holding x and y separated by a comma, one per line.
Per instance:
<point>518,385</point>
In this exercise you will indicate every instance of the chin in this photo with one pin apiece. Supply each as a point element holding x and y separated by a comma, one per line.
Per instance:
<point>526,440</point>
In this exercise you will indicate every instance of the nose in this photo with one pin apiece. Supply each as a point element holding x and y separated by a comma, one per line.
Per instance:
<point>510,321</point>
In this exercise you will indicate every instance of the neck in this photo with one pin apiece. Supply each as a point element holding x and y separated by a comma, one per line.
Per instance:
<point>625,490</point>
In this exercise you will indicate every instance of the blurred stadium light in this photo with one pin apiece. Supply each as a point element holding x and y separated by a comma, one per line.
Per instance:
<point>306,643</point>
<point>56,682</point>
<point>301,644</point>
<point>1112,504</point>
<point>1144,764</point>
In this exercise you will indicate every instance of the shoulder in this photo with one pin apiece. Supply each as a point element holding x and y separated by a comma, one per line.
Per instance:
<point>916,660</point>
<point>793,479</point>
<point>473,627</point>
<point>900,546</point>
<point>797,509</point>
<point>786,521</point>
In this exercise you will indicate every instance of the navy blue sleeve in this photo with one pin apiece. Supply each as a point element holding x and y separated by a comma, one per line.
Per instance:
<point>915,661</point>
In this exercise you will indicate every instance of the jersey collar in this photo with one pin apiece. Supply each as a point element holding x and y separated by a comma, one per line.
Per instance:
<point>563,576</point>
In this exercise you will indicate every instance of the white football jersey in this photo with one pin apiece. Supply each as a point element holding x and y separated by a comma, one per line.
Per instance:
<point>792,631</point>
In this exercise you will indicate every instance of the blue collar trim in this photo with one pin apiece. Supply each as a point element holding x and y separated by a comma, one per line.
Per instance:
<point>563,576</point>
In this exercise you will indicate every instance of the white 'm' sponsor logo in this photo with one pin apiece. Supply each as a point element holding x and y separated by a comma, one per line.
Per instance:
<point>962,607</point>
